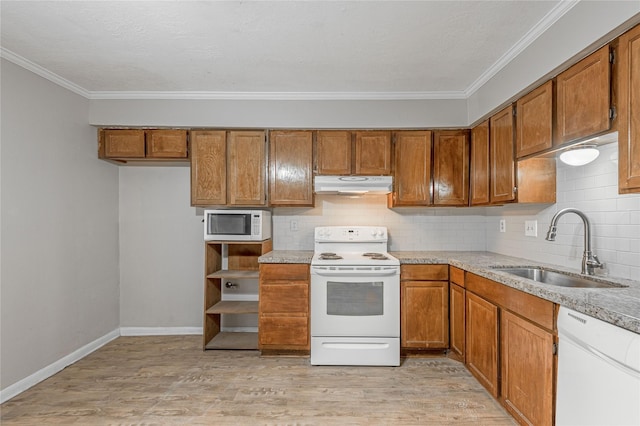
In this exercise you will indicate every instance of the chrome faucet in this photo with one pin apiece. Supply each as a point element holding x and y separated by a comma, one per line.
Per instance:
<point>589,260</point>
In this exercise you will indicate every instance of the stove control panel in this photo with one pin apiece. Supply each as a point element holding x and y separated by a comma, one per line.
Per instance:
<point>350,233</point>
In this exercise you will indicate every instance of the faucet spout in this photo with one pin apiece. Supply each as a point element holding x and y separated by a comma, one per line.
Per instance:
<point>589,260</point>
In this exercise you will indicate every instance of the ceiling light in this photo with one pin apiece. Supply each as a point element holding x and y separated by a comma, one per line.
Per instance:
<point>580,155</point>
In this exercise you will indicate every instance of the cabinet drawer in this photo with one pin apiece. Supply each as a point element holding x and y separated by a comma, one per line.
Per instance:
<point>284,331</point>
<point>284,297</point>
<point>424,272</point>
<point>167,143</point>
<point>280,271</point>
<point>456,275</point>
<point>531,307</point>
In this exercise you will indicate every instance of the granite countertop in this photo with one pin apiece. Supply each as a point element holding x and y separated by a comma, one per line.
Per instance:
<point>618,306</point>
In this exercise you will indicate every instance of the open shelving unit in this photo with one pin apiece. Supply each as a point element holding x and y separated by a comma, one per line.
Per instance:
<point>226,261</point>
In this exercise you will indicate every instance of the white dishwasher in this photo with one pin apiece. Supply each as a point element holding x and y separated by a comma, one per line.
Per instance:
<point>598,372</point>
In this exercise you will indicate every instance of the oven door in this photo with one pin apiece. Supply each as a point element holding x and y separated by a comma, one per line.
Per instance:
<point>355,301</point>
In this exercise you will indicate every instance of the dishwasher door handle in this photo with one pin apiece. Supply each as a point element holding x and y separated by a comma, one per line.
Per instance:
<point>627,369</point>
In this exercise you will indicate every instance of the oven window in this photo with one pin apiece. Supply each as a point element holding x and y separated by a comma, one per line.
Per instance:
<point>355,299</point>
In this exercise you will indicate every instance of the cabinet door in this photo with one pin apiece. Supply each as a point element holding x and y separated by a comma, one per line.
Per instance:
<point>164,143</point>
<point>333,152</point>
<point>480,164</point>
<point>457,320</point>
<point>412,166</point>
<point>583,98</point>
<point>502,162</point>
<point>208,168</point>
<point>246,168</point>
<point>629,112</point>
<point>451,168</point>
<point>373,153</point>
<point>290,168</point>
<point>527,370</point>
<point>284,307</point>
<point>123,143</point>
<point>482,341</point>
<point>534,121</point>
<point>424,318</point>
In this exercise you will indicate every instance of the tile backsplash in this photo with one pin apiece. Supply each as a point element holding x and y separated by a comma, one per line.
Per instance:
<point>409,228</point>
<point>592,188</point>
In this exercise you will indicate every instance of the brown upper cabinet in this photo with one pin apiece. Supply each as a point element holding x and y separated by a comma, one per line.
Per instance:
<point>583,98</point>
<point>629,111</point>
<point>140,144</point>
<point>372,153</point>
<point>480,183</point>
<point>228,168</point>
<point>353,153</point>
<point>534,121</point>
<point>333,152</point>
<point>451,168</point>
<point>412,167</point>
<point>290,168</point>
<point>501,153</point>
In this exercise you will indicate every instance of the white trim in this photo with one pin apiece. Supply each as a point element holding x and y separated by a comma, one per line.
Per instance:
<point>549,19</point>
<point>159,331</point>
<point>43,72</point>
<point>48,371</point>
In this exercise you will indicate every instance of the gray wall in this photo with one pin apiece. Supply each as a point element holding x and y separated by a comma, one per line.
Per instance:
<point>161,249</point>
<point>59,230</point>
<point>279,113</point>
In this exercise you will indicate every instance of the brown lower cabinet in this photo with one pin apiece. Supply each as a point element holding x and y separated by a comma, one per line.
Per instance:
<point>283,319</point>
<point>510,347</point>
<point>482,341</point>
<point>424,310</point>
<point>526,353</point>
<point>457,296</point>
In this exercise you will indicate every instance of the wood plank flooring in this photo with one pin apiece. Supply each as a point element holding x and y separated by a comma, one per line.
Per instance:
<point>169,380</point>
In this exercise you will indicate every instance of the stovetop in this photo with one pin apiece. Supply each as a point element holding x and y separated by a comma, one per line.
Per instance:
<point>352,245</point>
<point>354,258</point>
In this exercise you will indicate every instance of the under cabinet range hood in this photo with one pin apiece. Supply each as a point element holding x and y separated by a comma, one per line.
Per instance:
<point>352,185</point>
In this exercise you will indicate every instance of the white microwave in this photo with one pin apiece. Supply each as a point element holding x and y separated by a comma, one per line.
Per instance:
<point>237,225</point>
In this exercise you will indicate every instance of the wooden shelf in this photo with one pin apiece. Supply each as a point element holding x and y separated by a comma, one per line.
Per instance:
<point>234,273</point>
<point>234,307</point>
<point>234,340</point>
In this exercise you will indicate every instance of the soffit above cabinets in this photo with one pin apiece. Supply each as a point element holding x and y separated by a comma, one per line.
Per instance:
<point>270,49</point>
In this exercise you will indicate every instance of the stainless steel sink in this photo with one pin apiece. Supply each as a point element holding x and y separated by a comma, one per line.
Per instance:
<point>557,278</point>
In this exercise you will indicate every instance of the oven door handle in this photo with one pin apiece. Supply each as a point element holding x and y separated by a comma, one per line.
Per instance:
<point>354,272</point>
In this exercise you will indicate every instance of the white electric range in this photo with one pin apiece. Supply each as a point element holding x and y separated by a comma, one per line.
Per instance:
<point>355,297</point>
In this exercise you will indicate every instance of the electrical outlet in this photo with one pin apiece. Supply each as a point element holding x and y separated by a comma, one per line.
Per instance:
<point>293,225</point>
<point>503,225</point>
<point>531,228</point>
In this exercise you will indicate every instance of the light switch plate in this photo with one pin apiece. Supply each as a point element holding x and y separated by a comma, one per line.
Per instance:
<point>531,228</point>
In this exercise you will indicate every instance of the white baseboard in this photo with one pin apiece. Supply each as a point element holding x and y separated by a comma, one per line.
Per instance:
<point>159,331</point>
<point>48,371</point>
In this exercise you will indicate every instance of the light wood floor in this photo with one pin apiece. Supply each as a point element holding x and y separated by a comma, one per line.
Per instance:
<point>169,380</point>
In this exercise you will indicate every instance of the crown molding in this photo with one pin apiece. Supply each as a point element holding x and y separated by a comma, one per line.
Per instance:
<point>547,21</point>
<point>43,72</point>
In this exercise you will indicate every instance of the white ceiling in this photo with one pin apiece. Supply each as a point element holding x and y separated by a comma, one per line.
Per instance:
<point>236,49</point>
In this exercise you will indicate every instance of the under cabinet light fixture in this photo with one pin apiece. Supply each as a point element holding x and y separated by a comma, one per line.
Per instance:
<point>580,155</point>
